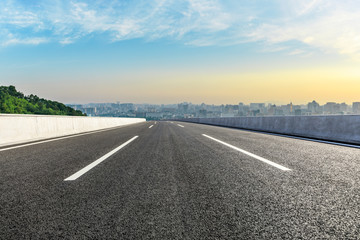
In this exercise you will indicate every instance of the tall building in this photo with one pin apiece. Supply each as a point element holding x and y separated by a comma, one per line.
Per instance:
<point>257,109</point>
<point>313,107</point>
<point>257,106</point>
<point>330,108</point>
<point>90,111</point>
<point>356,107</point>
<point>203,113</point>
<point>183,107</point>
<point>271,109</point>
<point>344,107</point>
<point>243,109</point>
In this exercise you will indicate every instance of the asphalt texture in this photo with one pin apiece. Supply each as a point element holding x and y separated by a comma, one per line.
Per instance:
<point>174,183</point>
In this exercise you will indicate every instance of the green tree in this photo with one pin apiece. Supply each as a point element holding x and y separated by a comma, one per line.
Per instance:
<point>12,101</point>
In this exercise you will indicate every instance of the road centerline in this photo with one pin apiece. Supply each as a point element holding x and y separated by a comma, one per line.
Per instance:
<point>180,125</point>
<point>98,161</point>
<point>250,154</point>
<point>151,126</point>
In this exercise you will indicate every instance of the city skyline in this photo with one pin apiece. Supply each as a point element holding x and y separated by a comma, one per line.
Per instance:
<point>171,51</point>
<point>207,103</point>
<point>190,110</point>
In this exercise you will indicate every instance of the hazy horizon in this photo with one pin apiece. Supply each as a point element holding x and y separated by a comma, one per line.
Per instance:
<point>166,52</point>
<point>209,103</point>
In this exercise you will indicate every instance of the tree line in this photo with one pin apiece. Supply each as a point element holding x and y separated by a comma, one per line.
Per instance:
<point>12,101</point>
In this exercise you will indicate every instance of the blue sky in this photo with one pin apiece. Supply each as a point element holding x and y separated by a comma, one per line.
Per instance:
<point>159,51</point>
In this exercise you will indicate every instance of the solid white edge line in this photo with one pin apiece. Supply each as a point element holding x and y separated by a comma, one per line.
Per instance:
<point>96,162</point>
<point>59,138</point>
<point>180,125</point>
<point>151,126</point>
<point>352,145</point>
<point>250,154</point>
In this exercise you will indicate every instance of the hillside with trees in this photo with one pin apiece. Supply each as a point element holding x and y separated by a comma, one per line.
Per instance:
<point>12,101</point>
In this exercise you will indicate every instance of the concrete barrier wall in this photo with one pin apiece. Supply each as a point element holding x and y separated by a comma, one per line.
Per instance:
<point>16,128</point>
<point>341,128</point>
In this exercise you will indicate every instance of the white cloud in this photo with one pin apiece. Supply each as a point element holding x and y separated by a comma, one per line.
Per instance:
<point>296,52</point>
<point>328,25</point>
<point>333,30</point>
<point>123,20</point>
<point>66,41</point>
<point>24,41</point>
<point>303,7</point>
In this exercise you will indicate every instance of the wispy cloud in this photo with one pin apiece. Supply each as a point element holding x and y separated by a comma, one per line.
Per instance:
<point>296,52</point>
<point>327,25</point>
<point>24,41</point>
<point>330,25</point>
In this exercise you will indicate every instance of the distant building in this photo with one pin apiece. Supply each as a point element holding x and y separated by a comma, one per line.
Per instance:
<point>298,112</point>
<point>203,113</point>
<point>356,107</point>
<point>169,110</point>
<point>183,107</point>
<point>151,109</point>
<point>140,114</point>
<point>91,111</point>
<point>257,106</point>
<point>243,109</point>
<point>287,109</point>
<point>271,109</point>
<point>313,107</point>
<point>125,107</point>
<point>154,116</point>
<point>344,108</point>
<point>330,108</point>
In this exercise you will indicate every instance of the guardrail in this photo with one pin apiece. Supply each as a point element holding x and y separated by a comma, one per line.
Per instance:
<point>339,128</point>
<point>16,128</point>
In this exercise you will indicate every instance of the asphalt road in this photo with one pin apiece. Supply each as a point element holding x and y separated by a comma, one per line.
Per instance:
<point>180,181</point>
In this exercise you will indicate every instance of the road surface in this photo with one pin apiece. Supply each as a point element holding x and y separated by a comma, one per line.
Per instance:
<point>173,180</point>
